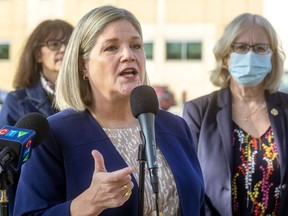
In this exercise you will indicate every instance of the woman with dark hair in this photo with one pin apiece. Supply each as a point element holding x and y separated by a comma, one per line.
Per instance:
<point>37,71</point>
<point>35,78</point>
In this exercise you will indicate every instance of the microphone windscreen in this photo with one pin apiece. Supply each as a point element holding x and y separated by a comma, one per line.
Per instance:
<point>36,122</point>
<point>143,99</point>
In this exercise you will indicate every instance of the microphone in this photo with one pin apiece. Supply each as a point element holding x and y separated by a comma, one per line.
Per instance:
<point>16,143</point>
<point>144,106</point>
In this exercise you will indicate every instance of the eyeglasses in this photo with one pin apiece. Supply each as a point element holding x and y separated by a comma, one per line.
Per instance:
<point>242,48</point>
<point>55,44</point>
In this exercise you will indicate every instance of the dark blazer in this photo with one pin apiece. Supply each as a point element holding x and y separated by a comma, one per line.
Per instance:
<point>61,167</point>
<point>17,104</point>
<point>210,121</point>
<point>22,101</point>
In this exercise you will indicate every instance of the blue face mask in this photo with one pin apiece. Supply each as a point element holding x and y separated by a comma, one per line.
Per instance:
<point>249,69</point>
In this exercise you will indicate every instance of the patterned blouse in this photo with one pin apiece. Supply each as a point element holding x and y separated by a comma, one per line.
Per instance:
<point>126,141</point>
<point>256,174</point>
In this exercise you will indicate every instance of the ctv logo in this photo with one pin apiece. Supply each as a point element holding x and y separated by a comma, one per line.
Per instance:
<point>27,148</point>
<point>12,133</point>
<point>28,144</point>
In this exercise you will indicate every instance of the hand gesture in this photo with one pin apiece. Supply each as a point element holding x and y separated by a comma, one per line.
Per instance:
<point>107,189</point>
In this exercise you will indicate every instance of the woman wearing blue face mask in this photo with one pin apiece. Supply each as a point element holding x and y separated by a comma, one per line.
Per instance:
<point>240,130</point>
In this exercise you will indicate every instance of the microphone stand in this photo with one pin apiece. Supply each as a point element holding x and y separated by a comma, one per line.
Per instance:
<point>142,160</point>
<point>3,201</point>
<point>6,178</point>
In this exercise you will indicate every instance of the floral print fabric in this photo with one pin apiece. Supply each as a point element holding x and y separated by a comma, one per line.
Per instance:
<point>256,174</point>
<point>126,141</point>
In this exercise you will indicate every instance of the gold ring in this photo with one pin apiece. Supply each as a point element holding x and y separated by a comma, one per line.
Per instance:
<point>128,191</point>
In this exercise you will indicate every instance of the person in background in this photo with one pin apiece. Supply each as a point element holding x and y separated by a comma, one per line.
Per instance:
<point>87,163</point>
<point>34,80</point>
<point>240,130</point>
<point>165,97</point>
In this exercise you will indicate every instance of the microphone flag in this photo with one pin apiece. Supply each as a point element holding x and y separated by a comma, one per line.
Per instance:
<point>20,140</point>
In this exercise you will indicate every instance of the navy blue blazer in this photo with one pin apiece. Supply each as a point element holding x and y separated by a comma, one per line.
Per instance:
<point>61,167</point>
<point>210,121</point>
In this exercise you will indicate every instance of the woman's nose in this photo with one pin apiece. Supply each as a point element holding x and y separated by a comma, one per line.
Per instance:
<point>63,47</point>
<point>128,54</point>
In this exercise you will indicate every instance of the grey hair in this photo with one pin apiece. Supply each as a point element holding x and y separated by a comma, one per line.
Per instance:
<point>71,89</point>
<point>220,76</point>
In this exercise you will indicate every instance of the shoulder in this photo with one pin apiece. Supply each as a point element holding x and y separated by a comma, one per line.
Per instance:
<point>69,128</point>
<point>282,95</point>
<point>213,96</point>
<point>35,92</point>
<point>277,98</point>
<point>22,94</point>
<point>165,115</point>
<point>218,98</point>
<point>170,123</point>
<point>67,117</point>
<point>72,122</point>
<point>16,95</point>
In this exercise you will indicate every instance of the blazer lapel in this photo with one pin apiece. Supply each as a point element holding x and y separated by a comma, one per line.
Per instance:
<point>277,114</point>
<point>224,117</point>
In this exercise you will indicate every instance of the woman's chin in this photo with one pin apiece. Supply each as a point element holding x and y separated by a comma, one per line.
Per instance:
<point>128,88</point>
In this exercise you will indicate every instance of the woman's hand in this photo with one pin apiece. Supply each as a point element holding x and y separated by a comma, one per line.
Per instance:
<point>107,189</point>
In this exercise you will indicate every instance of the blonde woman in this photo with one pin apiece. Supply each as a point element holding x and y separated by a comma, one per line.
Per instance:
<point>104,62</point>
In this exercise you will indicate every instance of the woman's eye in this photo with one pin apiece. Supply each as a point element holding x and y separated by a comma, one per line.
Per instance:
<point>111,48</point>
<point>259,49</point>
<point>136,46</point>
<point>242,47</point>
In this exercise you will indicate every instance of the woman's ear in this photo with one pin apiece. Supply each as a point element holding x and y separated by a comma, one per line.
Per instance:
<point>82,66</point>
<point>226,61</point>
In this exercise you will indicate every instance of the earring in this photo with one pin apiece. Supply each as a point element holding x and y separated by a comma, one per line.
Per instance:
<point>85,77</point>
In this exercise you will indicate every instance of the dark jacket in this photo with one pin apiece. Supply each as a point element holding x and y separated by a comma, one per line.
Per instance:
<point>17,104</point>
<point>210,122</point>
<point>20,102</point>
<point>61,167</point>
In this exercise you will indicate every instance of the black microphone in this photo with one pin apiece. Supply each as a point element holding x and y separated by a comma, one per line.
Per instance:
<point>16,142</point>
<point>144,106</point>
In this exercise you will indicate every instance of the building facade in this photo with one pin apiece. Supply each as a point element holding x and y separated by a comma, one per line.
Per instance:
<point>179,35</point>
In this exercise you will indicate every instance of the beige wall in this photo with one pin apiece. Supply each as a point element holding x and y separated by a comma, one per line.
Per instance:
<point>161,20</point>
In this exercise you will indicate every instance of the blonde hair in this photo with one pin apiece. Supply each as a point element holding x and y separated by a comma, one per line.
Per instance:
<point>72,91</point>
<point>220,76</point>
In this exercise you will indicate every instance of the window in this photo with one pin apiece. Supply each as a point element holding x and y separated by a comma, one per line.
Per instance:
<point>184,50</point>
<point>4,50</point>
<point>148,47</point>
<point>194,50</point>
<point>174,50</point>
